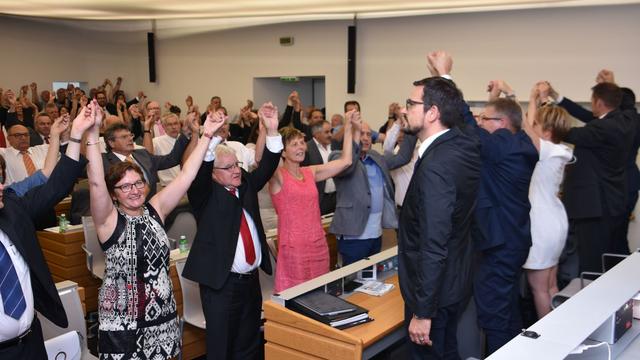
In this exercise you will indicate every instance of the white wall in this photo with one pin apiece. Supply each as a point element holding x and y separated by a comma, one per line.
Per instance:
<point>566,46</point>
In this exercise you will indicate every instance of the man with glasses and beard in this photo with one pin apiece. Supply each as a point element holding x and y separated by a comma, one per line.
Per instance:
<point>434,240</point>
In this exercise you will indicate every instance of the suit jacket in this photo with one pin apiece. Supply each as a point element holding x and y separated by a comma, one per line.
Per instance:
<point>218,216</point>
<point>151,163</point>
<point>353,199</point>
<point>34,138</point>
<point>434,246</point>
<point>597,184</point>
<point>502,212</point>
<point>17,221</point>
<point>313,157</point>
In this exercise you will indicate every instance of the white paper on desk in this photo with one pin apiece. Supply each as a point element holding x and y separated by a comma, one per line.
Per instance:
<point>70,228</point>
<point>375,288</point>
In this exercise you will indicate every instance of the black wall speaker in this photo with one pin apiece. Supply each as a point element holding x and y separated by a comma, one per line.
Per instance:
<point>151,46</point>
<point>351,60</point>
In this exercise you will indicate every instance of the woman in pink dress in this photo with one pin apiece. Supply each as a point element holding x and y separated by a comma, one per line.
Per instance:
<point>303,253</point>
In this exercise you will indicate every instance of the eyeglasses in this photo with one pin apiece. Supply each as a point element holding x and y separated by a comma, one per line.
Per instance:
<point>127,187</point>
<point>411,103</point>
<point>237,164</point>
<point>485,118</point>
<point>20,135</point>
<point>124,137</point>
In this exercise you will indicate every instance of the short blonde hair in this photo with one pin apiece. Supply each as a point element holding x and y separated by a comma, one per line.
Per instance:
<point>554,119</point>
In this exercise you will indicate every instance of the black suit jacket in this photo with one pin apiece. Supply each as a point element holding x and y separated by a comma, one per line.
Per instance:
<point>34,138</point>
<point>313,157</point>
<point>434,246</point>
<point>151,163</point>
<point>218,216</point>
<point>596,184</point>
<point>17,222</point>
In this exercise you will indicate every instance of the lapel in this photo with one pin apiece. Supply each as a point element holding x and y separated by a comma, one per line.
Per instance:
<point>453,132</point>
<point>314,153</point>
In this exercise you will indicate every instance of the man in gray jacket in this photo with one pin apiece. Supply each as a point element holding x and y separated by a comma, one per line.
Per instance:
<point>365,197</point>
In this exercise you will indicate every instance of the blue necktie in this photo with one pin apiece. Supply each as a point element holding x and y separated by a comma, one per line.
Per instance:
<point>10,290</point>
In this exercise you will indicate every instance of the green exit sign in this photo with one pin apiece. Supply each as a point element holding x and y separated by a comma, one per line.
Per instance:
<point>289,79</point>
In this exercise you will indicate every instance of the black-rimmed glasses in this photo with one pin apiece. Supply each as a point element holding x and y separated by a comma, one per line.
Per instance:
<point>411,103</point>
<point>127,187</point>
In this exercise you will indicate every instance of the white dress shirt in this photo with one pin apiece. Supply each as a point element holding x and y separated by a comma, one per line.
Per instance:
<point>402,175</point>
<point>162,145</point>
<point>10,328</point>
<point>16,170</point>
<point>240,265</point>
<point>329,185</point>
<point>244,154</point>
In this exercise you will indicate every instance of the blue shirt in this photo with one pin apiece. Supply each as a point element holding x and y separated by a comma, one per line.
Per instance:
<point>21,187</point>
<point>375,178</point>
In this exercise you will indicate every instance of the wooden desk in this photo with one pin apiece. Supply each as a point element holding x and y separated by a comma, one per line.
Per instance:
<point>290,335</point>
<point>67,261</point>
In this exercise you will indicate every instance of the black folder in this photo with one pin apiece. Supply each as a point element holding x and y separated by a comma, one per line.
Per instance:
<point>328,309</point>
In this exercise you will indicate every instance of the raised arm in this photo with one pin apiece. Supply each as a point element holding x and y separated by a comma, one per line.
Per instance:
<point>166,200</point>
<point>269,115</point>
<point>60,125</point>
<point>261,142</point>
<point>532,112</point>
<point>332,168</point>
<point>192,126</point>
<point>147,138</point>
<point>103,212</point>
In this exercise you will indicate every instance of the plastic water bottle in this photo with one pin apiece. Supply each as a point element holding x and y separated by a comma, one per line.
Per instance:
<point>183,244</point>
<point>63,223</point>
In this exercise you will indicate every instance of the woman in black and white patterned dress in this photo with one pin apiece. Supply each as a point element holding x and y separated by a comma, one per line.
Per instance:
<point>137,310</point>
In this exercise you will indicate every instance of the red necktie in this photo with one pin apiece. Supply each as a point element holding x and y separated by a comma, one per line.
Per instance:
<point>3,141</point>
<point>245,233</point>
<point>46,139</point>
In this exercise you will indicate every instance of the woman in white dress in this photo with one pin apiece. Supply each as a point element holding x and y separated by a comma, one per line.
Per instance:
<point>546,125</point>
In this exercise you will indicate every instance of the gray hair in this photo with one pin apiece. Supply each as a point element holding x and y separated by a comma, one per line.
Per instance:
<point>318,126</point>
<point>223,150</point>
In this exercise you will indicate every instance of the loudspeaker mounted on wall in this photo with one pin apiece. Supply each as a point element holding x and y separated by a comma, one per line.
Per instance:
<point>151,46</point>
<point>351,60</point>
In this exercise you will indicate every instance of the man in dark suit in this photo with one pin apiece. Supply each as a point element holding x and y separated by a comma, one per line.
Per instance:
<point>40,134</point>
<point>318,150</point>
<point>230,245</point>
<point>434,246</point>
<point>503,234</point>
<point>27,284</point>
<point>120,147</point>
<point>596,185</point>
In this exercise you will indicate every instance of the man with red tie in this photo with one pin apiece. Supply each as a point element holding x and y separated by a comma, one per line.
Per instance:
<point>230,244</point>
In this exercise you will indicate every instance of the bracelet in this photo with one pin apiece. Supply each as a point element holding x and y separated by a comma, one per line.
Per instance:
<point>148,131</point>
<point>207,136</point>
<point>419,317</point>
<point>510,96</point>
<point>72,139</point>
<point>92,143</point>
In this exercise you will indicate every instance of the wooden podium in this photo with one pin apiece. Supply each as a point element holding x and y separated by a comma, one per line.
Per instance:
<point>290,335</point>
